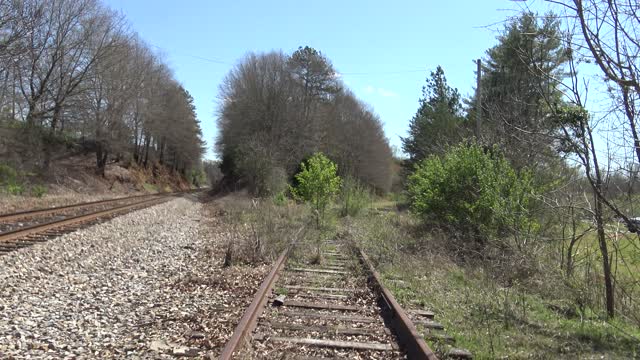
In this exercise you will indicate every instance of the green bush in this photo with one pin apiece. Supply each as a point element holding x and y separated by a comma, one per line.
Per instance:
<point>280,199</point>
<point>15,189</point>
<point>475,190</point>
<point>318,183</point>
<point>354,198</point>
<point>39,191</point>
<point>8,175</point>
<point>150,188</point>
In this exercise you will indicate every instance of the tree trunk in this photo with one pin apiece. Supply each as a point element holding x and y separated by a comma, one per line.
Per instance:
<point>602,240</point>
<point>48,142</point>
<point>631,117</point>
<point>606,265</point>
<point>161,146</point>
<point>569,269</point>
<point>101,159</point>
<point>146,151</point>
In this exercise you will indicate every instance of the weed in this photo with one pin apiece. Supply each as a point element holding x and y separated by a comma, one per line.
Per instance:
<point>280,199</point>
<point>15,189</point>
<point>484,315</point>
<point>150,188</point>
<point>354,198</point>
<point>260,230</point>
<point>282,291</point>
<point>8,175</point>
<point>39,191</point>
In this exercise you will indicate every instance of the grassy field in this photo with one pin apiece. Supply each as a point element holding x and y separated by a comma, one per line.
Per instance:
<point>536,319</point>
<point>624,250</point>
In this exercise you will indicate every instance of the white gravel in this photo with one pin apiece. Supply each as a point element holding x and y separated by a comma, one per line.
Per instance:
<point>113,290</point>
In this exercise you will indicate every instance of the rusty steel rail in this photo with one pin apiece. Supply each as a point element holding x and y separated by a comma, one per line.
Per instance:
<point>74,220</point>
<point>250,317</point>
<point>408,336</point>
<point>407,333</point>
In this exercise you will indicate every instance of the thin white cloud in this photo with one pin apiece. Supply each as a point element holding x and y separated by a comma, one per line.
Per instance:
<point>380,91</point>
<point>386,93</point>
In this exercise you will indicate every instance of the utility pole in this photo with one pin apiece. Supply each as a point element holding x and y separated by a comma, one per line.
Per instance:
<point>478,99</point>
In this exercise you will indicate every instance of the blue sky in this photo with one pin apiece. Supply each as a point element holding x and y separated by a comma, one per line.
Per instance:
<point>385,49</point>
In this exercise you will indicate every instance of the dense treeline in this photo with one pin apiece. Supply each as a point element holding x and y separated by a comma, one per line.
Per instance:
<point>277,109</point>
<point>72,70</point>
<point>582,196</point>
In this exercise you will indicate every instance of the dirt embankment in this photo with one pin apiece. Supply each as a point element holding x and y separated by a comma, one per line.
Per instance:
<point>73,179</point>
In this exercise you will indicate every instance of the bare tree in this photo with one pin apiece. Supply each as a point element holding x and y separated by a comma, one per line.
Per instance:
<point>275,110</point>
<point>74,67</point>
<point>611,32</point>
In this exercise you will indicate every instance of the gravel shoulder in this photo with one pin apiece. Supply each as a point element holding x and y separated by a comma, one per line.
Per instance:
<point>148,284</point>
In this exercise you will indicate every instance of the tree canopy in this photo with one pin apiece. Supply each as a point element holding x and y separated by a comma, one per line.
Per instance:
<point>519,83</point>
<point>438,121</point>
<point>278,109</point>
<point>73,69</point>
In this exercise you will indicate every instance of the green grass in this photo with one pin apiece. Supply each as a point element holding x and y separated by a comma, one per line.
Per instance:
<point>281,291</point>
<point>625,255</point>
<point>39,191</point>
<point>490,319</point>
<point>150,188</point>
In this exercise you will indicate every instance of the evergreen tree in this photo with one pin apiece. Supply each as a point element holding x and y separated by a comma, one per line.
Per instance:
<point>438,121</point>
<point>520,85</point>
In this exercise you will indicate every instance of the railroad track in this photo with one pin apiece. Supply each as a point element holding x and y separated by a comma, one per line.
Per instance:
<point>337,309</point>
<point>26,228</point>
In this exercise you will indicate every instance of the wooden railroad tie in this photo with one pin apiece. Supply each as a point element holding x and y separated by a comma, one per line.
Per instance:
<point>335,344</point>
<point>325,329</point>
<point>311,288</point>
<point>322,306</point>
<point>319,270</point>
<point>314,315</point>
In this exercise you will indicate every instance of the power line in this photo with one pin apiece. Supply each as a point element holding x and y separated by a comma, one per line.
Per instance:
<point>383,72</point>
<point>218,61</point>
<point>215,61</point>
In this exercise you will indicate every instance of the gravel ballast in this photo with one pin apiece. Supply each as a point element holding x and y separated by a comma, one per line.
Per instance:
<point>143,285</point>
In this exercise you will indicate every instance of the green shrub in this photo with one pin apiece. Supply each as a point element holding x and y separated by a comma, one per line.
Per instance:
<point>8,175</point>
<point>475,190</point>
<point>354,197</point>
<point>39,191</point>
<point>150,188</point>
<point>318,183</point>
<point>15,189</point>
<point>280,199</point>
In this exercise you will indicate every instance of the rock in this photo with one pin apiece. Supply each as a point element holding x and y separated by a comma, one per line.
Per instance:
<point>184,351</point>
<point>159,346</point>
<point>118,286</point>
<point>279,300</point>
<point>458,354</point>
<point>197,335</point>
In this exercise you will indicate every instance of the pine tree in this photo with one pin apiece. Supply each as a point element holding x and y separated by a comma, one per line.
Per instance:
<point>519,87</point>
<point>438,121</point>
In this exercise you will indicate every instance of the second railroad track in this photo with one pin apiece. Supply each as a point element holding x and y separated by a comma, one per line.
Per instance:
<point>26,228</point>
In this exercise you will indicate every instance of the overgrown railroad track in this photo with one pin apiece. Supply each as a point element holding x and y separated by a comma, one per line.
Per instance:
<point>26,228</point>
<point>338,309</point>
